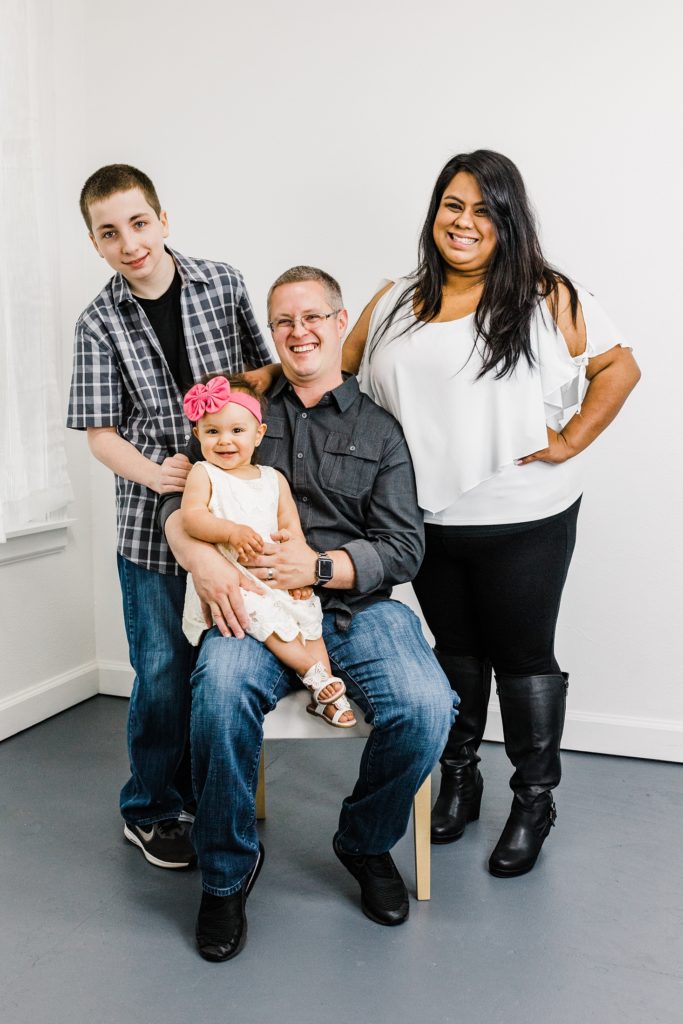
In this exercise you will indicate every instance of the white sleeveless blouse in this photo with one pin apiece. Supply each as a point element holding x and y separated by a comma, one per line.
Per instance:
<point>465,434</point>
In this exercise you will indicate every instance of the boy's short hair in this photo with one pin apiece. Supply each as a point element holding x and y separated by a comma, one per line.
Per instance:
<point>116,178</point>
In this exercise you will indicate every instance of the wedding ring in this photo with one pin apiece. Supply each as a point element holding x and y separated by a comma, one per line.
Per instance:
<point>269,574</point>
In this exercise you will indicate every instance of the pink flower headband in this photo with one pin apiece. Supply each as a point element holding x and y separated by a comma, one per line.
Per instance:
<point>210,397</point>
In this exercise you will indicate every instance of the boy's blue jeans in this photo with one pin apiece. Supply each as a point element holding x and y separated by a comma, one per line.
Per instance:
<point>390,672</point>
<point>159,712</point>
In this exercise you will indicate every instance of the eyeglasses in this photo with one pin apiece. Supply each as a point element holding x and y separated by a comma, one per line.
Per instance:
<point>284,324</point>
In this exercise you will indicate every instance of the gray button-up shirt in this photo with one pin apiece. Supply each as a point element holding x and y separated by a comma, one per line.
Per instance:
<point>121,379</point>
<point>350,472</point>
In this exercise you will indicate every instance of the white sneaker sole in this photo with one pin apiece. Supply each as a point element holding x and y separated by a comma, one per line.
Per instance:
<point>132,838</point>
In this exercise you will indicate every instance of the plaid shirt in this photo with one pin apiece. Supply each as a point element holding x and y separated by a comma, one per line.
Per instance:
<point>121,379</point>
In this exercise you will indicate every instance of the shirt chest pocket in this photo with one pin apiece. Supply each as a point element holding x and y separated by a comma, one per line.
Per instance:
<point>271,446</point>
<point>349,465</point>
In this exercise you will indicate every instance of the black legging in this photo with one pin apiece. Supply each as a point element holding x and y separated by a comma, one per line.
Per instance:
<point>493,592</point>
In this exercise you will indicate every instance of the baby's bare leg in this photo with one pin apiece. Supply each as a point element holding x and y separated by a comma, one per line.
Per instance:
<point>294,654</point>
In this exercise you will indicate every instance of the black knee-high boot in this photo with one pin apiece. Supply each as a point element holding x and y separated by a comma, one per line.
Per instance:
<point>532,709</point>
<point>461,782</point>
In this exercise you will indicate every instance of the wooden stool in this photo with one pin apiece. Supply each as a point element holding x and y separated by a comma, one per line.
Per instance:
<point>289,721</point>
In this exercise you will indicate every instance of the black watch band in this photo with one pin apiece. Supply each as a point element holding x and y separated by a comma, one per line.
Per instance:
<point>324,568</point>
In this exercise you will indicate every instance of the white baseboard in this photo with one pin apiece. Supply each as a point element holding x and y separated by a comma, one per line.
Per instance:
<point>43,700</point>
<point>622,735</point>
<point>652,738</point>
<point>116,678</point>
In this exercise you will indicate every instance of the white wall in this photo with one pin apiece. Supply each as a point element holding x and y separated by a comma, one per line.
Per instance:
<point>47,648</point>
<point>279,134</point>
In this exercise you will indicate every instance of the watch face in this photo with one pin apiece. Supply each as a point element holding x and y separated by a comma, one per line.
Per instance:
<point>325,569</point>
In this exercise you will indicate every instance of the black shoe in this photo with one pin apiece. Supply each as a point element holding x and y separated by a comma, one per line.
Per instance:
<point>384,897</point>
<point>518,848</point>
<point>458,802</point>
<point>165,843</point>
<point>221,929</point>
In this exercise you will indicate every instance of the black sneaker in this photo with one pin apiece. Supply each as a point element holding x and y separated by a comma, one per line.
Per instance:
<point>384,897</point>
<point>221,929</point>
<point>165,843</point>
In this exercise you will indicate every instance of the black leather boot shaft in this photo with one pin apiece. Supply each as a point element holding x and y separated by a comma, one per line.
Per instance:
<point>533,711</point>
<point>471,680</point>
<point>459,797</point>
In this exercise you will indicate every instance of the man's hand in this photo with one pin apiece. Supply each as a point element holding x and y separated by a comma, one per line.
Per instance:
<point>289,564</point>
<point>557,451</point>
<point>172,474</point>
<point>246,542</point>
<point>218,583</point>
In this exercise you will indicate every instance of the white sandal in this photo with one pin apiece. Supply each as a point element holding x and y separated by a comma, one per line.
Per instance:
<point>341,704</point>
<point>316,679</point>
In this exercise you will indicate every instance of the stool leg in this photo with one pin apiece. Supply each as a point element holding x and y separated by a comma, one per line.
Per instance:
<point>422,807</point>
<point>261,789</point>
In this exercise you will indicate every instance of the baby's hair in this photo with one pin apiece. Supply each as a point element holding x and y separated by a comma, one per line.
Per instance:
<point>239,383</point>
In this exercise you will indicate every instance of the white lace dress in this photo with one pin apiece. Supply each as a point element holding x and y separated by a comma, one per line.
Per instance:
<point>253,503</point>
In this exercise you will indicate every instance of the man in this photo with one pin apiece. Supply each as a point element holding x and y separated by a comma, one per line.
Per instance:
<point>350,472</point>
<point>161,322</point>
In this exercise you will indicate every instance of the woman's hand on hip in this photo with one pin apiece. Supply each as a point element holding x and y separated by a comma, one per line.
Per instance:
<point>557,451</point>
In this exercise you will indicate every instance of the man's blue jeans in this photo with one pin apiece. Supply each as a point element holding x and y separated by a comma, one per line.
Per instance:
<point>390,672</point>
<point>158,716</point>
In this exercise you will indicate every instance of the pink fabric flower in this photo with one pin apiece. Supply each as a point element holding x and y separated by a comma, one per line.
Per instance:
<point>203,398</point>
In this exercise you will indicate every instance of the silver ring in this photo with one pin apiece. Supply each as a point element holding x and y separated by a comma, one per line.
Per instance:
<point>269,574</point>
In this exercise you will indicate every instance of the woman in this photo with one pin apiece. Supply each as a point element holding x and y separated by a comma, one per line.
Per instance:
<point>483,355</point>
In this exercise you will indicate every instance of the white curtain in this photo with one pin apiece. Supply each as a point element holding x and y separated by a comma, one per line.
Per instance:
<point>33,478</point>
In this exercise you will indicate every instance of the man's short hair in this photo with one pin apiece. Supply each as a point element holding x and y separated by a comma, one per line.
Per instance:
<point>116,178</point>
<point>296,274</point>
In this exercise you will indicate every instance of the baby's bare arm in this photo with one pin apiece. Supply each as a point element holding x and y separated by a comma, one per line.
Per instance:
<point>202,524</point>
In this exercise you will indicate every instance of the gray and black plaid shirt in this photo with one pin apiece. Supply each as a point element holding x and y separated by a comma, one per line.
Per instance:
<point>121,379</point>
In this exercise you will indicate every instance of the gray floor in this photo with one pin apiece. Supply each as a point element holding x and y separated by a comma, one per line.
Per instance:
<point>92,933</point>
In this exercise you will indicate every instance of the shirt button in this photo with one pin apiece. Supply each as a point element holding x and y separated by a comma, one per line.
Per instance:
<point>304,415</point>
<point>352,448</point>
<point>299,455</point>
<point>187,437</point>
<point>305,500</point>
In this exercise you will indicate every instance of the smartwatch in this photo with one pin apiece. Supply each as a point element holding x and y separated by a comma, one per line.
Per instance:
<point>324,568</point>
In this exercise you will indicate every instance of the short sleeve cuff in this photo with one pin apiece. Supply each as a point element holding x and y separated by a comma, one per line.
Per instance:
<point>367,563</point>
<point>81,421</point>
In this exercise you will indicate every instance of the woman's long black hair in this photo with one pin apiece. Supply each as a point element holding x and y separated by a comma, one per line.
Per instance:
<point>516,277</point>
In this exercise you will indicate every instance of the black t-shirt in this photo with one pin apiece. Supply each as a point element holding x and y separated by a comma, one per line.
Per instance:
<point>167,323</point>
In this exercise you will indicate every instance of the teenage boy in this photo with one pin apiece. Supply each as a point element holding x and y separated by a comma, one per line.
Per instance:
<point>160,323</point>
